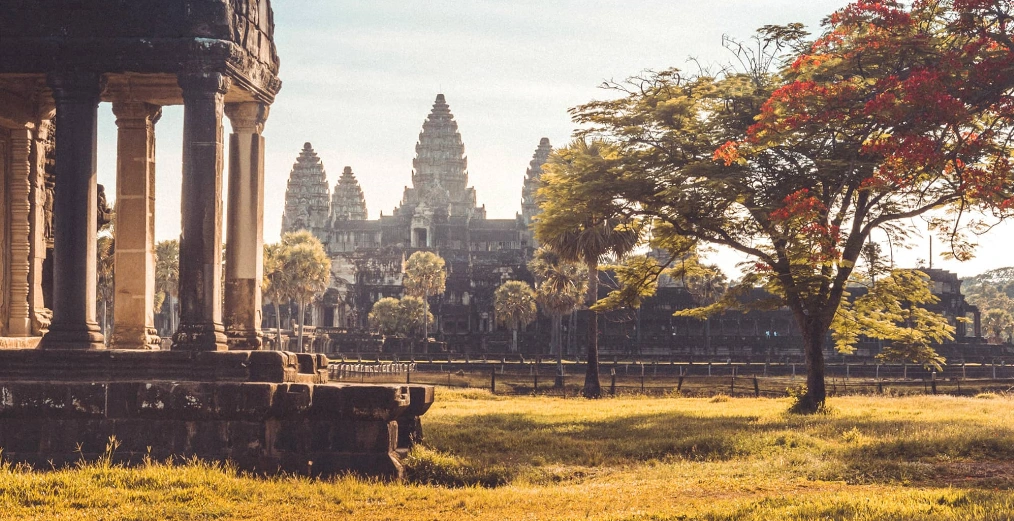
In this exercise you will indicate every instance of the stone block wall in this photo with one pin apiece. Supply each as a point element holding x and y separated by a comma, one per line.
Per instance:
<point>315,429</point>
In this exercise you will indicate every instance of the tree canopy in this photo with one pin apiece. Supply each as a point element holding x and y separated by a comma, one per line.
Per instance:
<point>424,276</point>
<point>892,112</point>
<point>402,317</point>
<point>514,303</point>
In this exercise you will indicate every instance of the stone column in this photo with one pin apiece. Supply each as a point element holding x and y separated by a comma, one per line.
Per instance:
<point>20,323</point>
<point>40,225</point>
<point>200,290</point>
<point>74,213</point>
<point>134,277</point>
<point>244,252</point>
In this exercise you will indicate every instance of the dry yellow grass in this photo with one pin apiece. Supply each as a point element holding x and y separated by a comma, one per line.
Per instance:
<point>630,458</point>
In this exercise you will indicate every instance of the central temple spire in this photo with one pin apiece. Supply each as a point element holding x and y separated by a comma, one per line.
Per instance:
<point>440,168</point>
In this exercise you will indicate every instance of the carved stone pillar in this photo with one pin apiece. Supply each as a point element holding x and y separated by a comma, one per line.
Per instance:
<point>134,277</point>
<point>200,290</point>
<point>40,223</point>
<point>244,257</point>
<point>74,218</point>
<point>20,323</point>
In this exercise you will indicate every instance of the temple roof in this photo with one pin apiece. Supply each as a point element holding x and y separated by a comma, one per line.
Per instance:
<point>307,195</point>
<point>348,202</point>
<point>529,205</point>
<point>440,168</point>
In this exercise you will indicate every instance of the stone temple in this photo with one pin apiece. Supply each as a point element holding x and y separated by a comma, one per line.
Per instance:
<point>213,391</point>
<point>438,212</point>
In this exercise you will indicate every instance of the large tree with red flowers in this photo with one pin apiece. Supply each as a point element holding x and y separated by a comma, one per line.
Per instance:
<point>893,112</point>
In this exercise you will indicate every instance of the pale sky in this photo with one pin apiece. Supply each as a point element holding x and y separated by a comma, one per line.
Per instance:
<point>359,78</point>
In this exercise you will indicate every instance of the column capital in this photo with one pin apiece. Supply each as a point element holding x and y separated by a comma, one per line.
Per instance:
<point>75,85</point>
<point>247,117</point>
<point>130,114</point>
<point>204,85</point>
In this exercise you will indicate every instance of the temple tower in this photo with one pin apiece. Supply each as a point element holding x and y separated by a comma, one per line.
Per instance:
<point>348,202</point>
<point>440,168</point>
<point>529,205</point>
<point>307,196</point>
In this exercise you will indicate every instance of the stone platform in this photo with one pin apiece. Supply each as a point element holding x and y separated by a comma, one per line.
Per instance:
<point>57,414</point>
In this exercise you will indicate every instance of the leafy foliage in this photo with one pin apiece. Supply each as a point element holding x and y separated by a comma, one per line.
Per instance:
<point>402,317</point>
<point>167,274</point>
<point>891,113</point>
<point>581,222</point>
<point>559,288</point>
<point>514,304</point>
<point>424,276</point>
<point>894,310</point>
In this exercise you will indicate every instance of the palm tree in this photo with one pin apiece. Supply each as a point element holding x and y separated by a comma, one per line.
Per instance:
<point>308,269</point>
<point>514,303</point>
<point>425,276</point>
<point>105,249</point>
<point>275,285</point>
<point>581,222</point>
<point>167,277</point>
<point>559,287</point>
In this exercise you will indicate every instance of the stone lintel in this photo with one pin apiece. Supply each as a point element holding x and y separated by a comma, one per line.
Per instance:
<point>126,365</point>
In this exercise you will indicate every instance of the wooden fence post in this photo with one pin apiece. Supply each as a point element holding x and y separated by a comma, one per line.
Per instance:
<point>492,381</point>
<point>756,387</point>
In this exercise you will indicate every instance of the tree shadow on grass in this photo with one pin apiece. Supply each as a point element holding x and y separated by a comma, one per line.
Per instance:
<point>856,450</point>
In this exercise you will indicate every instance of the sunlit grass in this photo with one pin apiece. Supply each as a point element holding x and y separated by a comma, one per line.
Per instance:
<point>632,458</point>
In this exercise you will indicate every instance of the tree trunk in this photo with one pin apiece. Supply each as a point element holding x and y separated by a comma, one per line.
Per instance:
<point>514,340</point>
<point>556,336</point>
<point>707,336</point>
<point>814,333</point>
<point>302,311</point>
<point>592,388</point>
<point>426,325</point>
<point>278,326</point>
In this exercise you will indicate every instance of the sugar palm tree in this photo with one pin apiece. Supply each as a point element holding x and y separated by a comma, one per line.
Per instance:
<point>559,288</point>
<point>105,267</point>
<point>514,303</point>
<point>275,285</point>
<point>425,276</point>
<point>581,222</point>
<point>167,278</point>
<point>308,270</point>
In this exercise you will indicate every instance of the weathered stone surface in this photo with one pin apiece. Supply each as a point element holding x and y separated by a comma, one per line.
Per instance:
<point>144,36</point>
<point>134,365</point>
<point>261,427</point>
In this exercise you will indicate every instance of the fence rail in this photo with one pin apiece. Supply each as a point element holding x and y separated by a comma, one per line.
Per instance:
<point>687,380</point>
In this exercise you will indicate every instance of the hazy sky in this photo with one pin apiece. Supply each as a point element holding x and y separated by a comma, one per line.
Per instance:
<point>360,77</point>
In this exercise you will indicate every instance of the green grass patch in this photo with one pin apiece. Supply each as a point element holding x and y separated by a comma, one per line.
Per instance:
<point>632,458</point>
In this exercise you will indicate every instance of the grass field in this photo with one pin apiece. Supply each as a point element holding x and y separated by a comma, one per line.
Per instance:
<point>630,458</point>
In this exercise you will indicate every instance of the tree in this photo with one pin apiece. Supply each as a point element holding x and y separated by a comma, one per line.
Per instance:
<point>514,303</point>
<point>105,249</point>
<point>559,288</point>
<point>999,323</point>
<point>581,223</point>
<point>425,276</point>
<point>308,271</point>
<point>894,310</point>
<point>892,113</point>
<point>404,317</point>
<point>167,278</point>
<point>275,285</point>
